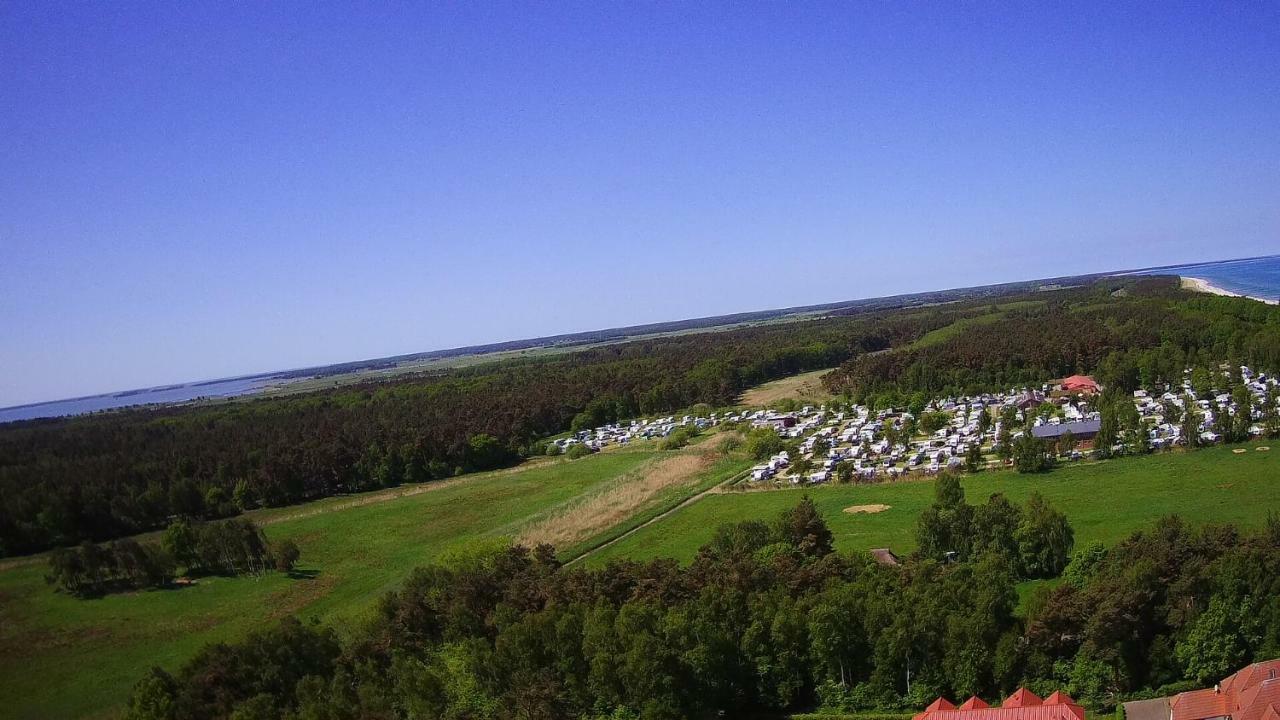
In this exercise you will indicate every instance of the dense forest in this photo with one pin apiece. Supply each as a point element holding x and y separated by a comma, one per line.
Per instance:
<point>1143,335</point>
<point>767,618</point>
<point>101,477</point>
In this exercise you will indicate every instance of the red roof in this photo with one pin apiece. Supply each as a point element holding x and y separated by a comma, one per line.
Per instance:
<point>1021,697</point>
<point>1249,694</point>
<point>1198,704</point>
<point>1079,382</point>
<point>1021,705</point>
<point>1059,698</point>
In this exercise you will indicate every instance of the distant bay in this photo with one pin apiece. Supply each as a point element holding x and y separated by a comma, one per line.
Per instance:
<point>166,395</point>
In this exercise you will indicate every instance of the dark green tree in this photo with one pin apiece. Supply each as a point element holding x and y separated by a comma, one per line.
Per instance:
<point>1045,539</point>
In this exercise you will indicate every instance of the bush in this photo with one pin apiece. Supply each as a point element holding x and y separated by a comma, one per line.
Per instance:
<point>730,443</point>
<point>553,450</point>
<point>92,570</point>
<point>679,437</point>
<point>763,443</point>
<point>576,451</point>
<point>931,422</point>
<point>284,555</point>
<point>1029,454</point>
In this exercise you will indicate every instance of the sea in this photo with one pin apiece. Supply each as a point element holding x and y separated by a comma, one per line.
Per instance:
<point>1257,277</point>
<point>165,395</point>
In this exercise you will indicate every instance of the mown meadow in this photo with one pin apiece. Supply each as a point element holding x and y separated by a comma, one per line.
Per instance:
<point>66,657</point>
<point>1105,501</point>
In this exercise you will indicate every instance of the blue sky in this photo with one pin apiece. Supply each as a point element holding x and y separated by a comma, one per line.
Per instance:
<point>196,190</point>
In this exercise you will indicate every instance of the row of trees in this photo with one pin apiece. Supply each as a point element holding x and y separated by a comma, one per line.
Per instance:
<point>766,618</point>
<point>91,570</point>
<point>230,547</point>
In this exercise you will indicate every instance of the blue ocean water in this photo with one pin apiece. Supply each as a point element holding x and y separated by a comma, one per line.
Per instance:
<point>1255,277</point>
<point>160,395</point>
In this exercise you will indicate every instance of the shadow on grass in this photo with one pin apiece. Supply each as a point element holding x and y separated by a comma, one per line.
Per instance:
<point>299,574</point>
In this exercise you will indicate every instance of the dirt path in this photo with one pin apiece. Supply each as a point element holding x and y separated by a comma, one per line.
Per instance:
<point>593,514</point>
<point>718,487</point>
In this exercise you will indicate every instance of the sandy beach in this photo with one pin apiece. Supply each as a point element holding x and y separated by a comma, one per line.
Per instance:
<point>1204,286</point>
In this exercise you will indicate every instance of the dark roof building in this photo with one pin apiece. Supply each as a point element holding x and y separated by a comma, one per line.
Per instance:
<point>1081,429</point>
<point>1155,709</point>
<point>1029,399</point>
<point>884,556</point>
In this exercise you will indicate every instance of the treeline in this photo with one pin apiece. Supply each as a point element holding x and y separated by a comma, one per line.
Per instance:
<point>1131,332</point>
<point>101,477</point>
<point>765,619</point>
<point>231,547</point>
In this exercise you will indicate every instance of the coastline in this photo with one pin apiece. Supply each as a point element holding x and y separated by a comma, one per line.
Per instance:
<point>1201,285</point>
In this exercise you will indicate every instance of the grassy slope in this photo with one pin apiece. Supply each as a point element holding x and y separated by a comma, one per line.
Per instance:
<point>1105,502</point>
<point>942,334</point>
<point>806,387</point>
<point>62,657</point>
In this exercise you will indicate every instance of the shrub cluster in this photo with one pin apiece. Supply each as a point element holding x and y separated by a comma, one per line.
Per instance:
<point>230,547</point>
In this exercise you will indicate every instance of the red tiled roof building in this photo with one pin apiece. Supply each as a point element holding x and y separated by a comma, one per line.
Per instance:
<point>1021,705</point>
<point>1080,383</point>
<point>1250,694</point>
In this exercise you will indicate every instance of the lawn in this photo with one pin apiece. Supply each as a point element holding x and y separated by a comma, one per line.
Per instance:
<point>1105,502</point>
<point>63,657</point>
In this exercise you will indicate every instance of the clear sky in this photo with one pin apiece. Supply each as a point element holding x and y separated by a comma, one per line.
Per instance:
<point>194,190</point>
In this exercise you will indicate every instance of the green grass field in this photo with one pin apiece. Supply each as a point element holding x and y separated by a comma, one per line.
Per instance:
<point>1104,501</point>
<point>64,657</point>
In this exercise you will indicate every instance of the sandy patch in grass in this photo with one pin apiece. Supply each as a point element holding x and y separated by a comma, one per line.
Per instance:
<point>624,498</point>
<point>805,386</point>
<point>865,509</point>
